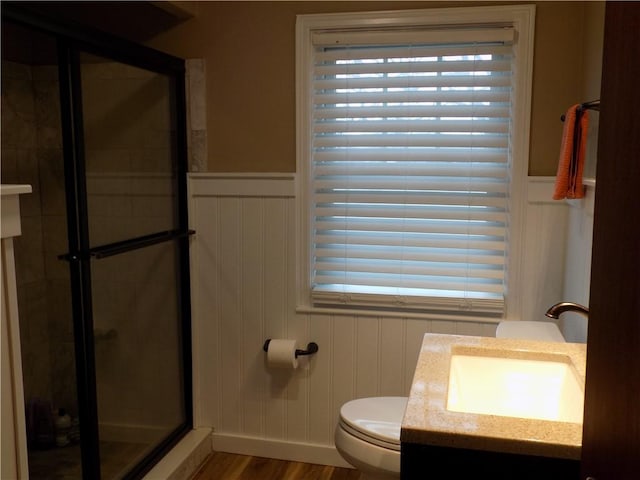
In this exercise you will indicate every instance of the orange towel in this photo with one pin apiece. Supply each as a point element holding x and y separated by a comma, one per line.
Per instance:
<point>572,153</point>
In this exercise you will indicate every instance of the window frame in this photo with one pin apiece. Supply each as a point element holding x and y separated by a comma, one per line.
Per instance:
<point>522,19</point>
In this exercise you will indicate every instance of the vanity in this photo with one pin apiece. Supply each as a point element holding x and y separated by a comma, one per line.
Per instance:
<point>494,408</point>
<point>14,463</point>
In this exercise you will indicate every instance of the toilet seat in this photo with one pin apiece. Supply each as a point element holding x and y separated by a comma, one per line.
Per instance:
<point>368,435</point>
<point>375,420</point>
<point>370,439</point>
<point>373,461</point>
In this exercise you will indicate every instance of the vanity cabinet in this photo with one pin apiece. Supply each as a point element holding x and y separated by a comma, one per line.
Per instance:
<point>466,464</point>
<point>517,421</point>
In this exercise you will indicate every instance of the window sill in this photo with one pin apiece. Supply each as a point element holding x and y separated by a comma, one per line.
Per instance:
<point>353,312</point>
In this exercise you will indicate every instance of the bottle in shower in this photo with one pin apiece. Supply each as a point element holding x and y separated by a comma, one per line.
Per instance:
<point>62,424</point>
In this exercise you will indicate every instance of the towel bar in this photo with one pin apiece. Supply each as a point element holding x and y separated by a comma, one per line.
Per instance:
<point>592,105</point>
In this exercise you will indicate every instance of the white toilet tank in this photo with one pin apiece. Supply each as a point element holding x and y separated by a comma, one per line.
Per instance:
<point>543,331</point>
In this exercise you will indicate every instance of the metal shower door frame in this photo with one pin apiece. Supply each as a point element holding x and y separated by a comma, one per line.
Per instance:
<point>72,41</point>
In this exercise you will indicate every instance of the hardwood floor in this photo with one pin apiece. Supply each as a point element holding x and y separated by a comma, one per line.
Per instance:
<point>227,466</point>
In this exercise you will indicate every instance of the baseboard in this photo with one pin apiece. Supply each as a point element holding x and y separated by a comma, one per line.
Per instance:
<point>290,451</point>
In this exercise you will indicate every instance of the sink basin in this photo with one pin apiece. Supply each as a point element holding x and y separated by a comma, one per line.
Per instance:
<point>520,384</point>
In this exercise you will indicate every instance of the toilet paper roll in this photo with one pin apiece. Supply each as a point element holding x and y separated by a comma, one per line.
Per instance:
<point>281,353</point>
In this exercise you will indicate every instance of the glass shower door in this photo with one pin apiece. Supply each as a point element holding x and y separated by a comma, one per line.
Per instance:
<point>135,236</point>
<point>32,154</point>
<point>97,125</point>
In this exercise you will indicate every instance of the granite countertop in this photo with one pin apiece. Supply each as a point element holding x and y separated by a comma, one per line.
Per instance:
<point>427,421</point>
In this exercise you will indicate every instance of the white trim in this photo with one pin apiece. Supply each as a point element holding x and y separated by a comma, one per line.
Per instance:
<point>386,37</point>
<point>12,384</point>
<point>10,206</point>
<point>540,189</point>
<point>523,20</point>
<point>290,451</point>
<point>345,312</point>
<point>13,189</point>
<point>304,51</point>
<point>496,15</point>
<point>242,184</point>
<point>521,17</point>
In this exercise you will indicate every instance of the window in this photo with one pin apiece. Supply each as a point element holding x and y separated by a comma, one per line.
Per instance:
<point>412,151</point>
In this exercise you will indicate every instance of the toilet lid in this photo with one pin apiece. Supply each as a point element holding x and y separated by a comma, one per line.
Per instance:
<point>376,419</point>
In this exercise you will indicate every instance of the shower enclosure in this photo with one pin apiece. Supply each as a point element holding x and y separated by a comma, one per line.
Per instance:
<point>97,126</point>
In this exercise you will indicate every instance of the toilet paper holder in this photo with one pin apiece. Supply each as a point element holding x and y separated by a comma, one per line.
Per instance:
<point>312,347</point>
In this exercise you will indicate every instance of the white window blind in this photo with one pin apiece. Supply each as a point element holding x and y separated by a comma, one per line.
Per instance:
<point>410,155</point>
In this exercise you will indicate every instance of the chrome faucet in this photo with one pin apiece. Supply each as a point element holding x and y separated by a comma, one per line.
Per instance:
<point>559,308</point>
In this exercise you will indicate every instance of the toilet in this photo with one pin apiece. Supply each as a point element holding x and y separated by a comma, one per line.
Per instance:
<point>368,432</point>
<point>368,436</point>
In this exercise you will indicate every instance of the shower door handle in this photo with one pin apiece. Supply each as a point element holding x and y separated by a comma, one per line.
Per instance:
<point>115,248</point>
<point>138,242</point>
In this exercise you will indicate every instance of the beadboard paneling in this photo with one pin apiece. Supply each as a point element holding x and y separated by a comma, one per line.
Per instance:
<point>577,273</point>
<point>545,250</point>
<point>243,269</point>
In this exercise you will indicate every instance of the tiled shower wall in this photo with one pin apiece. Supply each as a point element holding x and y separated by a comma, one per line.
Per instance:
<point>32,154</point>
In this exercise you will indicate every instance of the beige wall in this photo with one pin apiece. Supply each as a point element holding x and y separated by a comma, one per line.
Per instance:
<point>593,37</point>
<point>249,51</point>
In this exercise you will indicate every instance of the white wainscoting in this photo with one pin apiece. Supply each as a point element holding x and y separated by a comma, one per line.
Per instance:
<point>243,292</point>
<point>544,249</point>
<point>577,272</point>
<point>558,254</point>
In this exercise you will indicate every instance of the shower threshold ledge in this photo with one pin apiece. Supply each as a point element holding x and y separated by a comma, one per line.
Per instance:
<point>185,458</point>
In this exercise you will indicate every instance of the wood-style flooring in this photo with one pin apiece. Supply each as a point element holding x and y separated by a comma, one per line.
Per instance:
<point>227,466</point>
